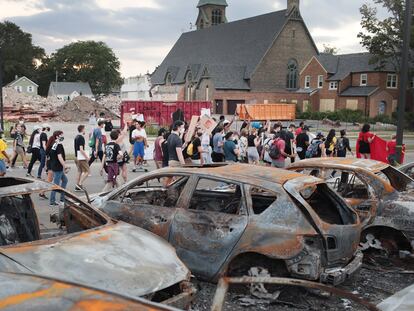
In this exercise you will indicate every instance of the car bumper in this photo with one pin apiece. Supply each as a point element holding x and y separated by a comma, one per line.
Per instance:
<point>337,276</point>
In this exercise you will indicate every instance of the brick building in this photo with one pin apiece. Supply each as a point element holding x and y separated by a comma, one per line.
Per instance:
<point>350,81</point>
<point>254,60</point>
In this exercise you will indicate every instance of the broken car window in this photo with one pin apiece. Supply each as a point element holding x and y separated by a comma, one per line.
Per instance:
<point>262,199</point>
<point>347,184</point>
<point>216,196</point>
<point>163,191</point>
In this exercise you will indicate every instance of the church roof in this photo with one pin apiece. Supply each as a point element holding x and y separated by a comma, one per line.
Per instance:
<point>340,66</point>
<point>230,52</point>
<point>214,2</point>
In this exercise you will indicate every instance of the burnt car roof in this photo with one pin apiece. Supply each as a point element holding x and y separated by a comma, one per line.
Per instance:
<point>28,292</point>
<point>242,172</point>
<point>349,163</point>
<point>14,186</point>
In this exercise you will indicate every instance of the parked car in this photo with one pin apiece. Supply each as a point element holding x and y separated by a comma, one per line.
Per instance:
<point>26,292</point>
<point>226,220</point>
<point>85,246</point>
<point>380,194</point>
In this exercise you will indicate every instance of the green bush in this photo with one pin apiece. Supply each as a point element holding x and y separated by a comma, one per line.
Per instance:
<point>344,115</point>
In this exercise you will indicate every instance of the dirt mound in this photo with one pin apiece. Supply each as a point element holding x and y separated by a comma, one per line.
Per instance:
<point>79,109</point>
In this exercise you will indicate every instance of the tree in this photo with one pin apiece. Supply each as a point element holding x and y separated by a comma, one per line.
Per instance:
<point>327,49</point>
<point>88,61</point>
<point>383,37</point>
<point>20,56</point>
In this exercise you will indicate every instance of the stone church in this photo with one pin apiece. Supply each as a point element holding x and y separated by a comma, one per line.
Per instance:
<point>254,60</point>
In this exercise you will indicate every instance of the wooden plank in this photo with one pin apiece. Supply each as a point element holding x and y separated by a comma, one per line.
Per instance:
<point>191,128</point>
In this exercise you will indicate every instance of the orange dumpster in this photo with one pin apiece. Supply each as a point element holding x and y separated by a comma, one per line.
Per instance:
<point>262,112</point>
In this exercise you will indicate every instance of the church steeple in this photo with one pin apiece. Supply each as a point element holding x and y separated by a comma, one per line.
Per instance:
<point>211,13</point>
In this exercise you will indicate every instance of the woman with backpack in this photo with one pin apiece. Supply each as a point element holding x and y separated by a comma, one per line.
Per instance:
<point>330,143</point>
<point>343,146</point>
<point>317,147</point>
<point>365,140</point>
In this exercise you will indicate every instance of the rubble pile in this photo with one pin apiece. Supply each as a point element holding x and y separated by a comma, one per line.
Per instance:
<point>80,108</point>
<point>111,103</point>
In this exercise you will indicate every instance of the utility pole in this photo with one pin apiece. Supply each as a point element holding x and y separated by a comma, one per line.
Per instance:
<point>1,91</point>
<point>404,78</point>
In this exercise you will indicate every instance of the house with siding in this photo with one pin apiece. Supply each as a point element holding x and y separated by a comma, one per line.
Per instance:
<point>254,60</point>
<point>69,90</point>
<point>24,85</point>
<point>350,81</point>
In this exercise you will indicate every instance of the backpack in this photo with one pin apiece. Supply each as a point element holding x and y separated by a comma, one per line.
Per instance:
<point>92,141</point>
<point>274,151</point>
<point>340,145</point>
<point>313,149</point>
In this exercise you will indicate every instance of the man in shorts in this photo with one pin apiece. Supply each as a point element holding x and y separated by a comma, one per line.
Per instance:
<point>81,158</point>
<point>111,157</point>
<point>139,137</point>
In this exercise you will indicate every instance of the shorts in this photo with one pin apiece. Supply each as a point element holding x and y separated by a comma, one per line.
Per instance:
<point>253,154</point>
<point>2,166</point>
<point>113,171</point>
<point>82,166</point>
<point>139,150</point>
<point>20,150</point>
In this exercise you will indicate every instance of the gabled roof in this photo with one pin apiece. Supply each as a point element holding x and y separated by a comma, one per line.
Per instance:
<point>11,84</point>
<point>360,91</point>
<point>231,50</point>
<point>67,88</point>
<point>340,66</point>
<point>213,2</point>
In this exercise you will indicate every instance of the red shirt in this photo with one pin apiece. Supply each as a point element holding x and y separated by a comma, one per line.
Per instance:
<point>365,136</point>
<point>392,147</point>
<point>298,131</point>
<point>280,143</point>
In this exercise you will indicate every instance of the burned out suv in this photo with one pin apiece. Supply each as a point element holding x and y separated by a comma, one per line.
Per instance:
<point>226,220</point>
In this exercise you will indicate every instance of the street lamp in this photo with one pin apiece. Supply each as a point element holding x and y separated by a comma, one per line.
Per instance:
<point>404,78</point>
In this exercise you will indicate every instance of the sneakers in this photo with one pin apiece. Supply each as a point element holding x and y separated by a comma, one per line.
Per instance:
<point>29,175</point>
<point>54,204</point>
<point>43,196</point>
<point>78,188</point>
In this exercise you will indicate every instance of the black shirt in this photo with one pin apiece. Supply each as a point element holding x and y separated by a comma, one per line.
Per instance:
<point>108,126</point>
<point>43,138</point>
<point>55,164</point>
<point>111,152</point>
<point>79,141</point>
<point>288,138</point>
<point>174,141</point>
<point>301,141</point>
<point>196,144</point>
<point>165,157</point>
<point>251,140</point>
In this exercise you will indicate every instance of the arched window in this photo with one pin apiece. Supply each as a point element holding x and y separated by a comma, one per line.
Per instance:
<point>189,77</point>
<point>202,24</point>
<point>292,75</point>
<point>168,79</point>
<point>216,17</point>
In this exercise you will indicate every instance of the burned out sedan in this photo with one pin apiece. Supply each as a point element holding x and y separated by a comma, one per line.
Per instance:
<point>407,169</point>
<point>226,220</point>
<point>28,292</point>
<point>83,245</point>
<point>380,194</point>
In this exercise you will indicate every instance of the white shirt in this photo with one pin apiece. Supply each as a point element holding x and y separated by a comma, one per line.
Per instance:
<point>138,133</point>
<point>36,141</point>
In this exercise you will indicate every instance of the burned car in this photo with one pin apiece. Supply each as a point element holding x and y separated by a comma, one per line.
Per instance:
<point>85,246</point>
<point>29,292</point>
<point>380,194</point>
<point>407,169</point>
<point>227,220</point>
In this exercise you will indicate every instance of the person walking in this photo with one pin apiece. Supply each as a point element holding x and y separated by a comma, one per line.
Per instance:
<point>81,158</point>
<point>139,137</point>
<point>175,145</point>
<point>302,143</point>
<point>34,147</point>
<point>110,159</point>
<point>18,146</point>
<point>267,144</point>
<point>97,143</point>
<point>317,147</point>
<point>43,144</point>
<point>231,152</point>
<point>253,142</point>
<point>4,157</point>
<point>280,144</point>
<point>218,143</point>
<point>343,145</point>
<point>123,162</point>
<point>58,166</point>
<point>197,156</point>
<point>365,140</point>
<point>158,149</point>
<point>331,143</point>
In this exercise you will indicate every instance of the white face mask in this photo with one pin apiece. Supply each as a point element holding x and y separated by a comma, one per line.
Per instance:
<point>182,130</point>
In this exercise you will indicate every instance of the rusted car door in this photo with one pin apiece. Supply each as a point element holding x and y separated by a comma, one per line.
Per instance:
<point>209,224</point>
<point>149,203</point>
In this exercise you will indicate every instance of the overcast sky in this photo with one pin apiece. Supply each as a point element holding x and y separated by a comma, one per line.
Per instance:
<point>141,32</point>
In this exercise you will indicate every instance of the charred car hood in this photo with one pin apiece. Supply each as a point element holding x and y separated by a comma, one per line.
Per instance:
<point>118,258</point>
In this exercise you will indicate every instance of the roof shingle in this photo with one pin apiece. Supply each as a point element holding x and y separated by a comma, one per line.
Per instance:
<point>360,91</point>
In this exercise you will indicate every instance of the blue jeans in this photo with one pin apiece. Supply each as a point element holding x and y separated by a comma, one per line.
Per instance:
<point>42,162</point>
<point>60,179</point>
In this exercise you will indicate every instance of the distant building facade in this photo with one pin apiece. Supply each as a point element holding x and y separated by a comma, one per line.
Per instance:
<point>24,85</point>
<point>350,81</point>
<point>136,88</point>
<point>70,90</point>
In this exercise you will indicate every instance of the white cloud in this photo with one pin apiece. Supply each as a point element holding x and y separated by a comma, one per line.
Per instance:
<point>124,4</point>
<point>11,8</point>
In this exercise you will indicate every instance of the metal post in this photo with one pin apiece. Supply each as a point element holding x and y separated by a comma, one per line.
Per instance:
<point>404,78</point>
<point>1,91</point>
